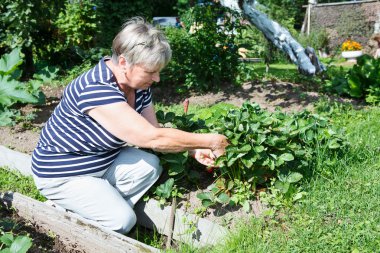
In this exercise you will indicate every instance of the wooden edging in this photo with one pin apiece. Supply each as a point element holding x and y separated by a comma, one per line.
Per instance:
<point>72,230</point>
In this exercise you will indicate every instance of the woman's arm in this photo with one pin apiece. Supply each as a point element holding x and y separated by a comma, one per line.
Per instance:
<point>126,124</point>
<point>150,115</point>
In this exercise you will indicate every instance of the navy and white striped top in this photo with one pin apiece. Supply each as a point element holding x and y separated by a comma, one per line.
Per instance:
<point>72,143</point>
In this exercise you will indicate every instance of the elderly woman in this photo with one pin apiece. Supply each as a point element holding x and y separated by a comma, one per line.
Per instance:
<point>82,162</point>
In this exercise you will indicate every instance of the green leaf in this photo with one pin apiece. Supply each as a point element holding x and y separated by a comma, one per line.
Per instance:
<point>164,190</point>
<point>355,86</point>
<point>10,62</point>
<point>333,144</point>
<point>6,118</point>
<point>21,244</point>
<point>206,203</point>
<point>10,91</point>
<point>7,239</point>
<point>294,177</point>
<point>175,169</point>
<point>286,157</point>
<point>259,149</point>
<point>246,206</point>
<point>169,116</point>
<point>309,135</point>
<point>205,195</point>
<point>282,186</point>
<point>160,116</point>
<point>230,185</point>
<point>175,158</point>
<point>223,198</point>
<point>298,196</point>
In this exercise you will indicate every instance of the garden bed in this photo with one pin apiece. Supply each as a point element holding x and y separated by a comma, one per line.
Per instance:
<point>41,241</point>
<point>23,137</point>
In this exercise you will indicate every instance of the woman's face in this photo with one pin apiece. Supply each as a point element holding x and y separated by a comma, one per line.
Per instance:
<point>137,76</point>
<point>141,77</point>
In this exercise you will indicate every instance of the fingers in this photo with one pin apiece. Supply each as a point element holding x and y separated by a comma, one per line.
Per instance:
<point>204,156</point>
<point>219,145</point>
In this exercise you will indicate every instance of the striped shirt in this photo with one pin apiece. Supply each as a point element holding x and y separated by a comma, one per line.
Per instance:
<point>72,143</point>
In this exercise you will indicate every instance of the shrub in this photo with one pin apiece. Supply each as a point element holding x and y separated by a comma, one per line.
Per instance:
<point>361,81</point>
<point>317,40</point>
<point>204,54</point>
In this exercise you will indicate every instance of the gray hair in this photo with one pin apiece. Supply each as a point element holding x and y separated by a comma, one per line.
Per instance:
<point>141,43</point>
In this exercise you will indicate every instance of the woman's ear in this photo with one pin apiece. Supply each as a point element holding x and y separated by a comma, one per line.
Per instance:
<point>123,63</point>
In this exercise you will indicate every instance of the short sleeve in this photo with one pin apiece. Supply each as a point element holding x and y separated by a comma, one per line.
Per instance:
<point>94,95</point>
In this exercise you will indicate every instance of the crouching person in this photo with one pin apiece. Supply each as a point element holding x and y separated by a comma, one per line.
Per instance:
<point>88,159</point>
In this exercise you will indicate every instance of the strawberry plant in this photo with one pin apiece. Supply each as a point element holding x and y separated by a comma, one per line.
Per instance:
<point>10,242</point>
<point>264,147</point>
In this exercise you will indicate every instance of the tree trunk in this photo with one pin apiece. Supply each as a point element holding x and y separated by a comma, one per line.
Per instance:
<point>278,36</point>
<point>28,69</point>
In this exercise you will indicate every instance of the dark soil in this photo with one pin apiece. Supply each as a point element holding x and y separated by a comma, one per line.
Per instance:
<point>41,241</point>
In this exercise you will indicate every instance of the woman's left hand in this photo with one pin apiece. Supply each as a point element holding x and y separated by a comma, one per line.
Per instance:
<point>204,156</point>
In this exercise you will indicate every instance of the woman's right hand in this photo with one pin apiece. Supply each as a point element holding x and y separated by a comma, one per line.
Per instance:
<point>219,144</point>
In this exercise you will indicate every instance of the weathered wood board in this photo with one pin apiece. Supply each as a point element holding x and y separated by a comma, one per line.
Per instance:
<point>72,230</point>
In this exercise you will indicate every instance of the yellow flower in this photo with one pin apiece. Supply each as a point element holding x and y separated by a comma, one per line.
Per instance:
<point>351,45</point>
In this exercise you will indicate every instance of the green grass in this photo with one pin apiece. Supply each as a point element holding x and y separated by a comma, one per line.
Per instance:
<point>16,182</point>
<point>282,71</point>
<point>288,72</point>
<point>340,213</point>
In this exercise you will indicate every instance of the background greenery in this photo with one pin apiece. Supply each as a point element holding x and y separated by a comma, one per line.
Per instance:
<point>321,201</point>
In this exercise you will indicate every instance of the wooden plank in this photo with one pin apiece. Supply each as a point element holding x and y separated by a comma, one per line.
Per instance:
<point>73,231</point>
<point>188,228</point>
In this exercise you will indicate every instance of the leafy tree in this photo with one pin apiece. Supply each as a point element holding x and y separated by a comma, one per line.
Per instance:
<point>289,13</point>
<point>112,14</point>
<point>27,24</point>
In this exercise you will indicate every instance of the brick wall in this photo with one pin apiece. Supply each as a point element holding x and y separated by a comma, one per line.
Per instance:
<point>355,19</point>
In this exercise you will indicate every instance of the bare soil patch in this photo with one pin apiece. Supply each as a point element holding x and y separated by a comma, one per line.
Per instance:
<point>289,97</point>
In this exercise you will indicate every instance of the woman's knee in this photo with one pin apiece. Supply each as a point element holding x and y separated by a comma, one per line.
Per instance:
<point>123,221</point>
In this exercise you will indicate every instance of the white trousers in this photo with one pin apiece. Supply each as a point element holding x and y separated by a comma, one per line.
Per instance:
<point>107,198</point>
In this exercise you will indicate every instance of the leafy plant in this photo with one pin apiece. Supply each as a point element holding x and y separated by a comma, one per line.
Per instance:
<point>78,24</point>
<point>28,25</point>
<point>10,242</point>
<point>166,190</point>
<point>361,81</point>
<point>14,244</point>
<point>263,145</point>
<point>204,53</point>
<point>12,90</point>
<point>283,191</point>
